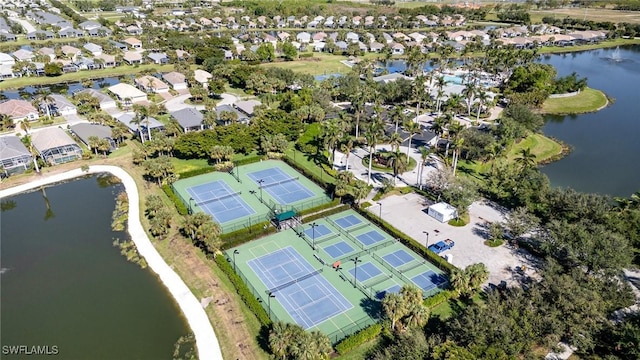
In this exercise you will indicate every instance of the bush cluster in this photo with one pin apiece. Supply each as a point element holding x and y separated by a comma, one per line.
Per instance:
<point>359,338</point>
<point>242,290</point>
<point>196,172</point>
<point>438,298</point>
<point>182,208</point>
<point>247,234</point>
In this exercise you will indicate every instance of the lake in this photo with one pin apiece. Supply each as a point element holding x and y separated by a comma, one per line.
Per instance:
<point>605,144</point>
<point>64,284</point>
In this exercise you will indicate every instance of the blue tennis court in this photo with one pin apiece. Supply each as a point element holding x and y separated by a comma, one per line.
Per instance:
<point>282,187</point>
<point>319,232</point>
<point>365,272</point>
<point>305,294</point>
<point>338,250</point>
<point>370,238</point>
<point>428,280</point>
<point>217,199</point>
<point>398,258</point>
<point>395,289</point>
<point>348,221</point>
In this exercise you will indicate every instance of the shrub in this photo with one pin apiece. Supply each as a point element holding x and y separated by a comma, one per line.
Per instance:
<point>438,298</point>
<point>365,205</point>
<point>196,172</point>
<point>359,338</point>
<point>494,242</point>
<point>247,234</point>
<point>241,288</point>
<point>248,160</point>
<point>305,55</point>
<point>334,202</point>
<point>311,176</point>
<point>324,214</point>
<point>180,206</point>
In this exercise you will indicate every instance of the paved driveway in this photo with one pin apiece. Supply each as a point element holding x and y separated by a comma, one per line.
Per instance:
<point>408,213</point>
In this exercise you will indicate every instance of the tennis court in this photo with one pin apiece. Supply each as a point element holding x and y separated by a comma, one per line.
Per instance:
<point>284,188</point>
<point>428,280</point>
<point>398,258</point>
<point>318,232</point>
<point>365,272</point>
<point>371,237</point>
<point>304,293</point>
<point>338,250</point>
<point>394,289</point>
<point>220,201</point>
<point>348,221</point>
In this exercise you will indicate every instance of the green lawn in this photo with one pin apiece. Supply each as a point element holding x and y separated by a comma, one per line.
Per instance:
<point>305,161</point>
<point>319,64</point>
<point>541,146</point>
<point>588,100</point>
<point>21,82</point>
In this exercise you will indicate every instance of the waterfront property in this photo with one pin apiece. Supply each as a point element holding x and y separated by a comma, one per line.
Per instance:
<point>14,156</point>
<point>55,146</point>
<point>85,131</point>
<point>331,275</point>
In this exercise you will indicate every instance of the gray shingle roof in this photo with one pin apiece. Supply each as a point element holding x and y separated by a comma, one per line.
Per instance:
<point>11,146</point>
<point>188,117</point>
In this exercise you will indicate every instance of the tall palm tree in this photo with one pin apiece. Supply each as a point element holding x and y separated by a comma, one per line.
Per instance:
<point>374,133</point>
<point>26,140</point>
<point>413,128</point>
<point>469,92</point>
<point>25,125</point>
<point>331,135</point>
<point>322,344</point>
<point>438,127</point>
<point>418,93</point>
<point>142,115</point>
<point>395,140</point>
<point>424,156</point>
<point>482,98</point>
<point>398,116</point>
<point>394,308</point>
<point>457,146</point>
<point>397,161</point>
<point>346,146</point>
<point>452,132</point>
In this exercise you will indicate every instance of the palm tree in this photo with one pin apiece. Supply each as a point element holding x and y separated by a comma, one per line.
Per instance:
<point>346,146</point>
<point>527,159</point>
<point>46,99</point>
<point>398,116</point>
<point>454,130</point>
<point>331,135</point>
<point>457,146</point>
<point>438,126</point>
<point>26,140</point>
<point>397,162</point>
<point>482,98</point>
<point>413,128</point>
<point>93,143</point>
<point>395,140</point>
<point>25,125</point>
<point>424,156</point>
<point>142,116</point>
<point>322,344</point>
<point>373,136</point>
<point>279,339</point>
<point>394,308</point>
<point>469,92</point>
<point>418,92</point>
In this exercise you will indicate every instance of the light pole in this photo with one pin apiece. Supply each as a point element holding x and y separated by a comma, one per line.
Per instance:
<point>313,235</point>
<point>190,208</point>
<point>379,203</point>
<point>235,252</point>
<point>269,296</point>
<point>260,182</point>
<point>355,269</point>
<point>426,233</point>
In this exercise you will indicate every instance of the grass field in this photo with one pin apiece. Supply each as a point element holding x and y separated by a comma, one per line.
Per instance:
<point>614,16</point>
<point>588,100</point>
<point>81,75</point>
<point>319,64</point>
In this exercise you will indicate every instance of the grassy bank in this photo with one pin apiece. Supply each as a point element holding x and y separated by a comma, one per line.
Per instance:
<point>602,45</point>
<point>588,100</point>
<point>24,81</point>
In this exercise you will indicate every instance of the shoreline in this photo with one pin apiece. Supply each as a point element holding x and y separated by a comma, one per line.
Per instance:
<point>197,319</point>
<point>607,102</point>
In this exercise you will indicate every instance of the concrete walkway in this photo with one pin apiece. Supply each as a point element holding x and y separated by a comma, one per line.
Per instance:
<point>207,343</point>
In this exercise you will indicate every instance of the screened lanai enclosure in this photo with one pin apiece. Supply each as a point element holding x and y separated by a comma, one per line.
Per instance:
<point>55,146</point>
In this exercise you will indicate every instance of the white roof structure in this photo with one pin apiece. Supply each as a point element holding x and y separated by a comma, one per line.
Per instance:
<point>124,91</point>
<point>51,138</point>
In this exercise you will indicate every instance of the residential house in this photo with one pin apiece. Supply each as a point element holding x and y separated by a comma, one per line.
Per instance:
<point>158,58</point>
<point>391,78</point>
<point>202,77</point>
<point>149,123</point>
<point>221,109</point>
<point>128,94</point>
<point>247,106</point>
<point>93,49</point>
<point>342,46</point>
<point>134,30</point>
<point>132,57</point>
<point>104,100</point>
<point>40,35</point>
<point>61,105</point>
<point>189,119</point>
<point>6,60</point>
<point>134,43</point>
<point>47,51</point>
<point>14,156</point>
<point>397,49</point>
<point>352,37</point>
<point>176,80</point>
<point>119,45</point>
<point>70,52</point>
<point>375,47</point>
<point>70,33</point>
<point>303,37</point>
<point>151,84</point>
<point>19,110</point>
<point>84,131</point>
<point>319,36</point>
<point>55,146</point>
<point>23,55</point>
<point>107,61</point>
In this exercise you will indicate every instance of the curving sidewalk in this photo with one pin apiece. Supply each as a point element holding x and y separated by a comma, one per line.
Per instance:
<point>206,341</point>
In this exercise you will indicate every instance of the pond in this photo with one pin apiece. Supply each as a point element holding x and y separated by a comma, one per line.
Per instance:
<point>61,88</point>
<point>605,143</point>
<point>64,284</point>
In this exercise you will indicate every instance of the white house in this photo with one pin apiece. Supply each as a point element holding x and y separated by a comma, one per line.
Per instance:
<point>128,93</point>
<point>176,80</point>
<point>62,106</point>
<point>442,212</point>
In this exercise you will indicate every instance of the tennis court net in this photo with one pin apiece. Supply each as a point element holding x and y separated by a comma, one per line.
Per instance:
<point>412,267</point>
<point>219,198</point>
<point>280,182</point>
<point>345,233</point>
<point>367,224</point>
<point>287,284</point>
<point>330,237</point>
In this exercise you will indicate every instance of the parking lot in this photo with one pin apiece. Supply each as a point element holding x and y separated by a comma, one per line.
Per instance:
<point>408,213</point>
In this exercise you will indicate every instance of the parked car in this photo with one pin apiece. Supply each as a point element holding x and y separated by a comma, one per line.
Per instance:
<point>441,246</point>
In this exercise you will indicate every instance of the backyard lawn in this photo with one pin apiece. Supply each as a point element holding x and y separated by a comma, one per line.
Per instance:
<point>587,100</point>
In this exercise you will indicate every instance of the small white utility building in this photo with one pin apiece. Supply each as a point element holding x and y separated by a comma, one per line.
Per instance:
<point>442,212</point>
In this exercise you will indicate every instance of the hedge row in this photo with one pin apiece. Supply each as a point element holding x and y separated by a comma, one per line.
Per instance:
<point>359,338</point>
<point>334,202</point>
<point>247,234</point>
<point>196,172</point>
<point>243,291</point>
<point>439,298</point>
<point>435,259</point>
<point>324,214</point>
<point>248,160</point>
<point>182,208</point>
